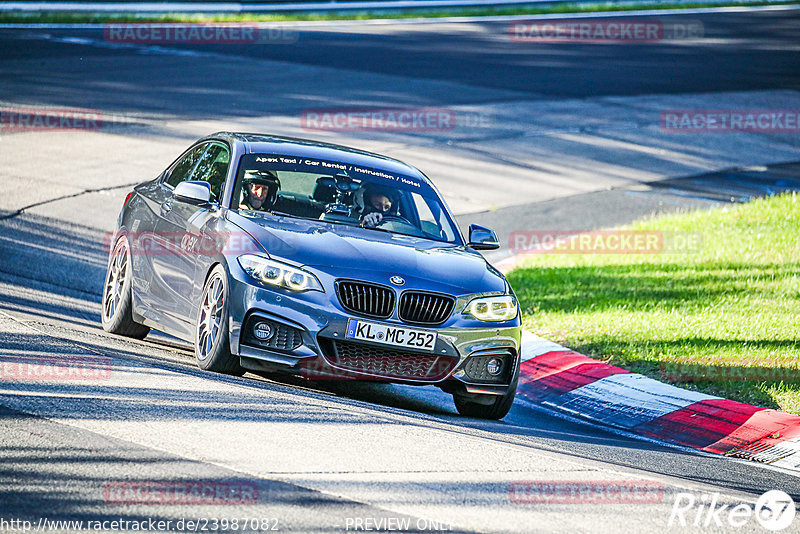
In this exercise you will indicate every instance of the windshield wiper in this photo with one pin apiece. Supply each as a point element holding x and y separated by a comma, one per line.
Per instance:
<point>282,214</point>
<point>398,233</point>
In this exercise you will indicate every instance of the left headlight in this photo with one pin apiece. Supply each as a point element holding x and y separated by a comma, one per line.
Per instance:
<point>279,274</point>
<point>502,308</point>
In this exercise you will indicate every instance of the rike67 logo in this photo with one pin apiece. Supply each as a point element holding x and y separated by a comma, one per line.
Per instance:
<point>775,511</point>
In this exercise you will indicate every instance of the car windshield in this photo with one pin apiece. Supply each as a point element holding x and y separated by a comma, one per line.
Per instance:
<point>341,193</point>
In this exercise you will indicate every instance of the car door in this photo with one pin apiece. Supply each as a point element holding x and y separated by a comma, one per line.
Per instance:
<point>165,257</point>
<point>205,229</point>
<point>183,225</point>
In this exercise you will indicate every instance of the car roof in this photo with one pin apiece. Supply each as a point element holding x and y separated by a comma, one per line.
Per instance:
<point>255,143</point>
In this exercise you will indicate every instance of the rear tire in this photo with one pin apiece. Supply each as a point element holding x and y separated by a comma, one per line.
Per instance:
<point>117,303</point>
<point>212,347</point>
<point>496,410</point>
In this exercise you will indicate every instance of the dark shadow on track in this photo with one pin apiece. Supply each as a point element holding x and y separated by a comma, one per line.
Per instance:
<point>737,52</point>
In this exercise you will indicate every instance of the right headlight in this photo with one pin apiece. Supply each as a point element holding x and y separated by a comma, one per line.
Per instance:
<point>502,308</point>
<point>279,274</point>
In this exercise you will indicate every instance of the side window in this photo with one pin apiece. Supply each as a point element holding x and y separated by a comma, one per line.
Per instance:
<point>183,168</point>
<point>213,168</point>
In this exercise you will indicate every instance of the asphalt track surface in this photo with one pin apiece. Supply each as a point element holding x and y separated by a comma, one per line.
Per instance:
<point>320,455</point>
<point>740,52</point>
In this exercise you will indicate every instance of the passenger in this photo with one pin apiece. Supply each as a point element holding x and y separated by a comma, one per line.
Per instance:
<point>260,191</point>
<point>378,202</point>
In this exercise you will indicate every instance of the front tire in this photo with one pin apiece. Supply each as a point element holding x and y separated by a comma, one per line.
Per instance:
<point>117,312</point>
<point>497,409</point>
<point>211,342</point>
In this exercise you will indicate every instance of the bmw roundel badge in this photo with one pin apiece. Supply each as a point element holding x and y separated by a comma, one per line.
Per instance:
<point>397,280</point>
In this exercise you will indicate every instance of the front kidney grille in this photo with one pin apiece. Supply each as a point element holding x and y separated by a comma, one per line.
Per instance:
<point>389,362</point>
<point>420,307</point>
<point>366,299</point>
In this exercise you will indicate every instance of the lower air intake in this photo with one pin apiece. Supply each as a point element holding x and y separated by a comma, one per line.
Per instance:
<point>389,362</point>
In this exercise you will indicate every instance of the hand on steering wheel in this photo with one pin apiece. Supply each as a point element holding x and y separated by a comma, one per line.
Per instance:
<point>371,220</point>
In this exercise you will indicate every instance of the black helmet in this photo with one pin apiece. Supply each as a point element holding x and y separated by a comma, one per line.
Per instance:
<point>371,189</point>
<point>266,178</point>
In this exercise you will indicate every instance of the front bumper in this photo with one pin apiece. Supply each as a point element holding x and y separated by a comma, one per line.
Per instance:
<point>316,325</point>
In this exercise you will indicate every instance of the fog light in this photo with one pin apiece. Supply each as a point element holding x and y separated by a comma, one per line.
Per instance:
<point>263,331</point>
<point>494,366</point>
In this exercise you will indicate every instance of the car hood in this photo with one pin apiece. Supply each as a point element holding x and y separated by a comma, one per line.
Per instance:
<point>351,252</point>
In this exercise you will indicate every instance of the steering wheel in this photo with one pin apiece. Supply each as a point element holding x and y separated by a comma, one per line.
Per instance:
<point>395,218</point>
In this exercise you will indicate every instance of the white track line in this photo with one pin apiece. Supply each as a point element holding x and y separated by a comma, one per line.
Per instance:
<point>627,400</point>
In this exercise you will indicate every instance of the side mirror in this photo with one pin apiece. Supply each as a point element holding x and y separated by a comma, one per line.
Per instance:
<point>196,193</point>
<point>481,238</point>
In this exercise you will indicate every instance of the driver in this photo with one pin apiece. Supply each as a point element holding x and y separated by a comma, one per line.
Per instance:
<point>259,191</point>
<point>378,202</point>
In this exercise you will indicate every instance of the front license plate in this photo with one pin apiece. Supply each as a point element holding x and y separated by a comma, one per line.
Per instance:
<point>397,336</point>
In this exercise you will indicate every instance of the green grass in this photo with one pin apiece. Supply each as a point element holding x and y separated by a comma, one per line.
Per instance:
<point>730,308</point>
<point>77,17</point>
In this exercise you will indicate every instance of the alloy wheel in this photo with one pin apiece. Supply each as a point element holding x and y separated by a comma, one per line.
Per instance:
<point>210,322</point>
<point>115,279</point>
